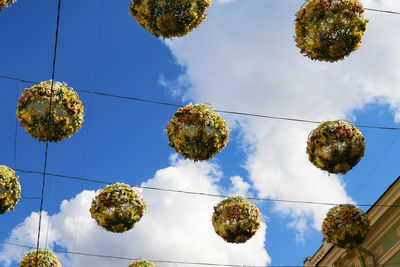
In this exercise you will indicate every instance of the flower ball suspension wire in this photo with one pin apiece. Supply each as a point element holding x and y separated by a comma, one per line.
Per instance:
<point>6,3</point>
<point>345,226</point>
<point>197,132</point>
<point>169,18</point>
<point>329,30</point>
<point>44,258</point>
<point>64,118</point>
<point>335,146</point>
<point>10,189</point>
<point>117,207</point>
<point>236,219</point>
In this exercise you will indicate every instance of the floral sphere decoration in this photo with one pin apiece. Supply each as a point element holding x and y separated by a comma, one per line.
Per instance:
<point>236,219</point>
<point>335,146</point>
<point>44,258</point>
<point>329,30</point>
<point>197,132</point>
<point>345,226</point>
<point>169,18</point>
<point>117,207</point>
<point>142,263</point>
<point>6,3</point>
<point>10,189</point>
<point>64,118</point>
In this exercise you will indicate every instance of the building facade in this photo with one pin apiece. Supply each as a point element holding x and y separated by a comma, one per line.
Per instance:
<point>381,246</point>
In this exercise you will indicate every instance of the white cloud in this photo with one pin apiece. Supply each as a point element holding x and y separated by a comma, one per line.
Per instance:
<point>239,187</point>
<point>174,227</point>
<point>244,58</point>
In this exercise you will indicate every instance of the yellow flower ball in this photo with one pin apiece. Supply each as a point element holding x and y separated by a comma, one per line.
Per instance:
<point>169,18</point>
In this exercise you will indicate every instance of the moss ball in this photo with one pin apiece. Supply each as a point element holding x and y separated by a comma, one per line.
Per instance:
<point>117,207</point>
<point>197,132</point>
<point>329,30</point>
<point>335,146</point>
<point>142,263</point>
<point>345,226</point>
<point>66,114</point>
<point>45,258</point>
<point>6,3</point>
<point>10,189</point>
<point>236,219</point>
<point>169,18</point>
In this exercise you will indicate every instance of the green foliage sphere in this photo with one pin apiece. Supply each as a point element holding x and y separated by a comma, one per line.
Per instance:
<point>66,114</point>
<point>6,3</point>
<point>169,18</point>
<point>329,30</point>
<point>335,146</point>
<point>45,258</point>
<point>117,207</point>
<point>10,189</point>
<point>142,263</point>
<point>197,132</point>
<point>345,226</point>
<point>236,219</point>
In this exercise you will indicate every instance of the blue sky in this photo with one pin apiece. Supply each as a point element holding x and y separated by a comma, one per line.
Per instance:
<point>242,58</point>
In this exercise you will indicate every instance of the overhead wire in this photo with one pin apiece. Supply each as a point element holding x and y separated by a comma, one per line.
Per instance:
<point>377,163</point>
<point>48,126</point>
<point>382,11</point>
<point>15,145</point>
<point>203,193</point>
<point>217,110</point>
<point>88,121</point>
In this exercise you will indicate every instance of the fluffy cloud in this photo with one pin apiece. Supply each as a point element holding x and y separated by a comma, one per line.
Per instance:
<point>244,58</point>
<point>175,226</point>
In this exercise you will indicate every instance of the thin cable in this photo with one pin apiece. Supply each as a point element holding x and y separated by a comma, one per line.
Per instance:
<point>174,262</point>
<point>16,130</point>
<point>48,126</point>
<point>88,120</point>
<point>30,198</point>
<point>377,163</point>
<point>206,194</point>
<point>15,144</point>
<point>50,208</point>
<point>382,11</point>
<point>217,110</point>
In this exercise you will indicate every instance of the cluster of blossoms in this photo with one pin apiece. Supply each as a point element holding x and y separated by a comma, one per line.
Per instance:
<point>345,226</point>
<point>10,189</point>
<point>45,258</point>
<point>64,118</point>
<point>335,146</point>
<point>6,3</point>
<point>197,132</point>
<point>142,263</point>
<point>169,18</point>
<point>236,219</point>
<point>117,207</point>
<point>329,30</point>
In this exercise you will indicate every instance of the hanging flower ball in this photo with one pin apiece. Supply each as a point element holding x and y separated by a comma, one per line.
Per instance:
<point>66,114</point>
<point>6,3</point>
<point>45,258</point>
<point>169,18</point>
<point>142,263</point>
<point>197,132</point>
<point>329,30</point>
<point>10,189</point>
<point>335,146</point>
<point>117,207</point>
<point>236,219</point>
<point>345,226</point>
